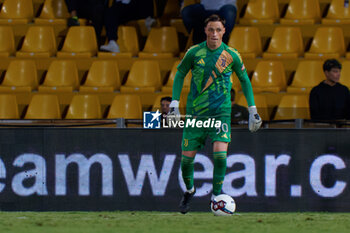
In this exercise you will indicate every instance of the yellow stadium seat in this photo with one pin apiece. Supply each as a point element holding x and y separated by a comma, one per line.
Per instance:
<point>16,12</point>
<point>126,106</point>
<point>7,41</point>
<point>302,12</point>
<point>128,43</point>
<point>43,107</point>
<point>140,24</point>
<point>269,76</point>
<point>168,88</point>
<point>161,43</point>
<point>179,25</point>
<point>261,12</point>
<point>307,75</point>
<point>39,41</point>
<point>328,42</point>
<point>80,42</point>
<point>247,41</point>
<point>103,76</point>
<point>293,107</point>
<point>62,76</point>
<point>8,107</point>
<point>286,42</point>
<point>260,103</point>
<point>128,40</point>
<point>20,76</point>
<point>144,77</point>
<point>53,12</point>
<point>337,13</point>
<point>84,107</point>
<point>190,2</point>
<point>345,74</point>
<point>171,10</point>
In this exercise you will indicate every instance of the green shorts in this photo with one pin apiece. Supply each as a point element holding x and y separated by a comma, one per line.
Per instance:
<point>194,138</point>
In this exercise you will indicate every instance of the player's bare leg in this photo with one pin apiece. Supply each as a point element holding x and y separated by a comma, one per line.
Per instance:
<point>187,163</point>
<point>220,154</point>
<point>220,146</point>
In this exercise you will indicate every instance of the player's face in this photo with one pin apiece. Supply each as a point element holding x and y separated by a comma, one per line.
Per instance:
<point>165,106</point>
<point>333,75</point>
<point>214,31</point>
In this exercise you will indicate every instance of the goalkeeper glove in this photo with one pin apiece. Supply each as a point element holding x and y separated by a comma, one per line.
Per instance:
<point>174,112</point>
<point>254,119</point>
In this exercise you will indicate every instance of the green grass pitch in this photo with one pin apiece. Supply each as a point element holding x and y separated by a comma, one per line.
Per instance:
<point>153,222</point>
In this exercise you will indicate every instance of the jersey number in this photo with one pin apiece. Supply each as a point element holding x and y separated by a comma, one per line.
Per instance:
<point>223,128</point>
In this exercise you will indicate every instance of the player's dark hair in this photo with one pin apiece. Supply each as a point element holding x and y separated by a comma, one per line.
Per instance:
<point>330,64</point>
<point>214,18</point>
<point>167,98</point>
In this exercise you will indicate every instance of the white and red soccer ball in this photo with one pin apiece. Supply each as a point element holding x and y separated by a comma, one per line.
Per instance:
<point>223,205</point>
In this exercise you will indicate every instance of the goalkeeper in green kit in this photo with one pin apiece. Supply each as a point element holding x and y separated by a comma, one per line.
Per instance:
<point>212,63</point>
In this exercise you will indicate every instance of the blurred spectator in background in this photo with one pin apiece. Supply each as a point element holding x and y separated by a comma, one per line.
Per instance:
<point>92,10</point>
<point>239,114</point>
<point>330,100</point>
<point>194,15</point>
<point>164,105</point>
<point>121,12</point>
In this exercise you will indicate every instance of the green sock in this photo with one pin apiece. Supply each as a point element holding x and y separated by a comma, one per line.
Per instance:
<point>187,171</point>
<point>219,171</point>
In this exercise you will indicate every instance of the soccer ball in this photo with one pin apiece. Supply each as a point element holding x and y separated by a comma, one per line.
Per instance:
<point>223,205</point>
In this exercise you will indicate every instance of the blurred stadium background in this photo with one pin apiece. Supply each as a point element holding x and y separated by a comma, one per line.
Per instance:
<point>283,44</point>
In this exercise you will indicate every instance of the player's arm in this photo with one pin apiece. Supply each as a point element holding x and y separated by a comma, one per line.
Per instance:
<point>242,75</point>
<point>174,112</point>
<point>177,85</point>
<point>182,70</point>
<point>238,67</point>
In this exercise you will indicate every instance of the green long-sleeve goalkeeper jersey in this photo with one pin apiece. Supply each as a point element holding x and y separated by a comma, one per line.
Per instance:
<point>211,84</point>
